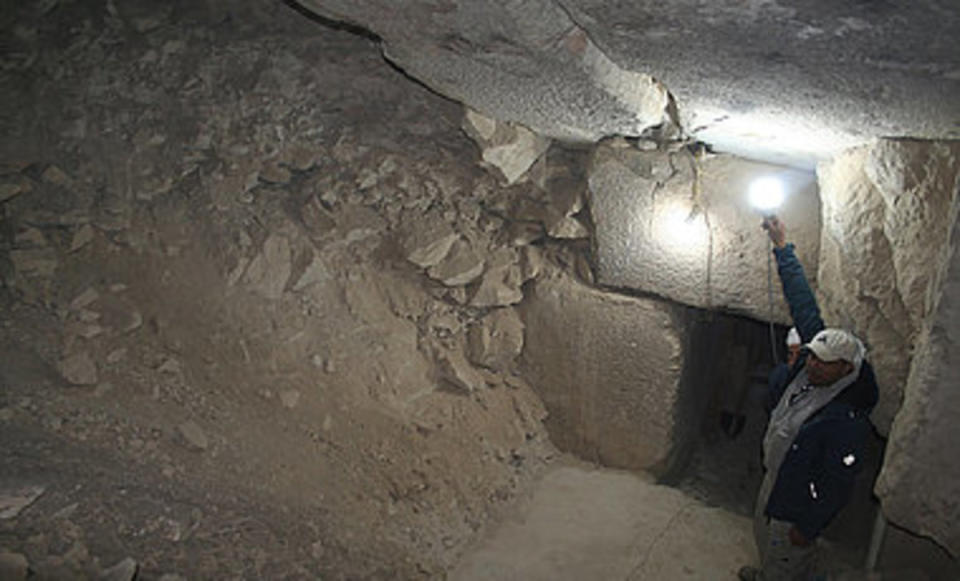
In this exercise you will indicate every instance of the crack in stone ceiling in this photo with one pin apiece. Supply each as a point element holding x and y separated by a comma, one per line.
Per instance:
<point>786,82</point>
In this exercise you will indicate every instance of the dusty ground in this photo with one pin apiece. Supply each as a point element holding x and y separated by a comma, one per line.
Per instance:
<point>584,523</point>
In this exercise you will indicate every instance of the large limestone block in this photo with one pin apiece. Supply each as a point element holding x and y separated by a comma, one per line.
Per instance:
<point>525,62</point>
<point>886,219</point>
<point>920,482</point>
<point>608,368</point>
<point>587,69</point>
<point>653,234</point>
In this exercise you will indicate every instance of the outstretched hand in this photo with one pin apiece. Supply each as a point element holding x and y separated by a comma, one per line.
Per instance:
<point>776,230</point>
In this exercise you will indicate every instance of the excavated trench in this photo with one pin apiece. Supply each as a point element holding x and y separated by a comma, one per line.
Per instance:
<point>273,311</point>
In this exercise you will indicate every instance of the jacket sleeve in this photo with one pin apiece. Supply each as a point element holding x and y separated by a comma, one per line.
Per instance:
<point>831,484</point>
<point>796,290</point>
<point>776,384</point>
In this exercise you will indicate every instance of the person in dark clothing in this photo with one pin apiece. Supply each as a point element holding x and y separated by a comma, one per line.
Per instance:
<point>817,433</point>
<point>781,371</point>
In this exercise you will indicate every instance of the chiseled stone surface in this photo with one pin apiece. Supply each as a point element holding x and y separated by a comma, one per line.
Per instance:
<point>524,62</point>
<point>887,214</point>
<point>608,368</point>
<point>647,239</point>
<point>587,69</point>
<point>920,481</point>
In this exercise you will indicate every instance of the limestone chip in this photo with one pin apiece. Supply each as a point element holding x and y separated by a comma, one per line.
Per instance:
<point>35,262</point>
<point>496,340</point>
<point>193,435</point>
<point>125,570</point>
<point>509,148</point>
<point>79,369</point>
<point>269,270</point>
<point>427,238</point>
<point>461,266</point>
<point>456,371</point>
<point>81,237</point>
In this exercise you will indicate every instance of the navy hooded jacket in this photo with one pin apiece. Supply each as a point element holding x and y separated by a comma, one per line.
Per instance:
<point>819,470</point>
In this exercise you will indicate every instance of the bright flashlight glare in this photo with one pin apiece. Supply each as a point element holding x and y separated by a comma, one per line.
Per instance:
<point>680,229</point>
<point>766,193</point>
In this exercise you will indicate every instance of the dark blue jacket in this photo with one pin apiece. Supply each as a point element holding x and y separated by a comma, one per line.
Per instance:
<point>819,470</point>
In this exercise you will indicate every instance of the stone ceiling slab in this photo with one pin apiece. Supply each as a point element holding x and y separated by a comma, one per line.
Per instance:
<point>786,82</point>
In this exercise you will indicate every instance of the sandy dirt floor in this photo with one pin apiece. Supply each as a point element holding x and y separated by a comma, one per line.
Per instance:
<point>585,523</point>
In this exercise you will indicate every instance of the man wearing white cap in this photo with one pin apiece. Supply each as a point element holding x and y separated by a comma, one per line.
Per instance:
<point>818,429</point>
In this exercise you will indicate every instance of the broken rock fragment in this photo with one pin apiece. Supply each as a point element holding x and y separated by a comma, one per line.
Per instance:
<point>125,570</point>
<point>10,190</point>
<point>428,238</point>
<point>79,369</point>
<point>269,270</point>
<point>118,314</point>
<point>461,266</point>
<point>455,370</point>
<point>496,340</point>
<point>84,299</point>
<point>501,283</point>
<point>193,435</point>
<point>15,499</point>
<point>34,262</point>
<point>509,148</point>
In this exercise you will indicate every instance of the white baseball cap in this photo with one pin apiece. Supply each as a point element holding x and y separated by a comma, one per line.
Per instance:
<point>793,337</point>
<point>837,344</point>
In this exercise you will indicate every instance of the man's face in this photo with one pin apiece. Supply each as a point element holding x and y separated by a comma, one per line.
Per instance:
<point>821,373</point>
<point>792,352</point>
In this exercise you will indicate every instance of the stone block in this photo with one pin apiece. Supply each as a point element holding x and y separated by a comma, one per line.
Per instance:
<point>608,368</point>
<point>655,235</point>
<point>887,213</point>
<point>920,480</point>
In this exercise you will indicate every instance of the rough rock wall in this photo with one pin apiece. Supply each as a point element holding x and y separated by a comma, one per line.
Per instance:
<point>887,214</point>
<point>257,319</point>
<point>920,481</point>
<point>656,233</point>
<point>608,368</point>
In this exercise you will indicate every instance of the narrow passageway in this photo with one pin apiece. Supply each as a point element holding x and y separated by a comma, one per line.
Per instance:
<point>587,523</point>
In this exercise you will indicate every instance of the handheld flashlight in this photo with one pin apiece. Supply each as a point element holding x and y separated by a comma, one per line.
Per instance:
<point>766,194</point>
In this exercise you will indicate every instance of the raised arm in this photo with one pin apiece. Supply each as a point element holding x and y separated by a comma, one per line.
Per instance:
<point>796,290</point>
